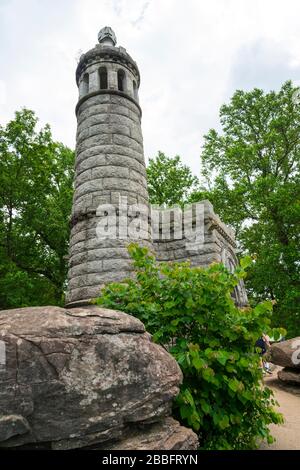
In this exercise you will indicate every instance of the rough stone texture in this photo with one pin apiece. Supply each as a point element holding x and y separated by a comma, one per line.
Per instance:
<point>84,376</point>
<point>165,435</point>
<point>12,425</point>
<point>290,376</point>
<point>218,246</point>
<point>284,353</point>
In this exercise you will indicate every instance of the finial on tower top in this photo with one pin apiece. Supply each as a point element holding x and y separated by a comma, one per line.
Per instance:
<point>106,36</point>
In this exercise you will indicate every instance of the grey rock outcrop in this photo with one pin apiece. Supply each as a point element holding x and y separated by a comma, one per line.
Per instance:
<point>284,353</point>
<point>287,355</point>
<point>84,376</point>
<point>290,376</point>
<point>165,435</point>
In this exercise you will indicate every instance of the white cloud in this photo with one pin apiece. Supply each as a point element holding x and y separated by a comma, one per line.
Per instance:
<point>192,55</point>
<point>3,94</point>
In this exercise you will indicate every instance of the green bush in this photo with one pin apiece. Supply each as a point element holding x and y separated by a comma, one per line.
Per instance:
<point>192,312</point>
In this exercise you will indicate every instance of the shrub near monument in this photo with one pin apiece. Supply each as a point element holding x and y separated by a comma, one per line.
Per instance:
<point>192,311</point>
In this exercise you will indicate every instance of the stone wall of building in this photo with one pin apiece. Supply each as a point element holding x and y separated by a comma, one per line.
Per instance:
<point>216,237</point>
<point>217,245</point>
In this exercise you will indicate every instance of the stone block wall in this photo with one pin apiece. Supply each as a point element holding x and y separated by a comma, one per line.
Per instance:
<point>109,165</point>
<point>218,246</point>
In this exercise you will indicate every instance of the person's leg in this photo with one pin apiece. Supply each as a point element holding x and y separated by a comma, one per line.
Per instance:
<point>266,366</point>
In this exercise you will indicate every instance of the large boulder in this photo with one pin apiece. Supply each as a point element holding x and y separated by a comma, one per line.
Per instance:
<point>84,376</point>
<point>289,376</point>
<point>286,353</point>
<point>165,435</point>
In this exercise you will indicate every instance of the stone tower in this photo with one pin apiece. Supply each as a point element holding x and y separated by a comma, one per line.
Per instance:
<point>110,166</point>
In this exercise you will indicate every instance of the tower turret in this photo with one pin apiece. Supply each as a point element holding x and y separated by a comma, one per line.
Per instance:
<point>110,168</point>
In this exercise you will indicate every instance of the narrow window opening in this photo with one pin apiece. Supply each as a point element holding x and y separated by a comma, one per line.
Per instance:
<point>121,80</point>
<point>135,94</point>
<point>85,84</point>
<point>103,78</point>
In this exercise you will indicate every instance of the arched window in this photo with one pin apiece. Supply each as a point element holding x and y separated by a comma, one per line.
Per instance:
<point>103,78</point>
<point>85,84</point>
<point>121,80</point>
<point>135,94</point>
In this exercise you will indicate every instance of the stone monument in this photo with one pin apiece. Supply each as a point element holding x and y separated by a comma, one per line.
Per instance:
<point>110,207</point>
<point>89,377</point>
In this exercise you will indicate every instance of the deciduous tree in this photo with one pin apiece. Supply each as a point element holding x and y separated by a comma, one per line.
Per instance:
<point>36,176</point>
<point>252,171</point>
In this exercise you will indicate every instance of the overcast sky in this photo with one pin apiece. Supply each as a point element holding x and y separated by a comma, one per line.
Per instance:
<point>192,56</point>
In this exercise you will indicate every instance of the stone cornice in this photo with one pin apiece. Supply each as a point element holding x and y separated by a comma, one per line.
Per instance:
<point>222,229</point>
<point>101,53</point>
<point>108,92</point>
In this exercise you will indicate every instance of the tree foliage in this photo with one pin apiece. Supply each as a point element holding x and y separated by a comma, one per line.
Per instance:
<point>36,177</point>
<point>252,171</point>
<point>169,181</point>
<point>192,311</point>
